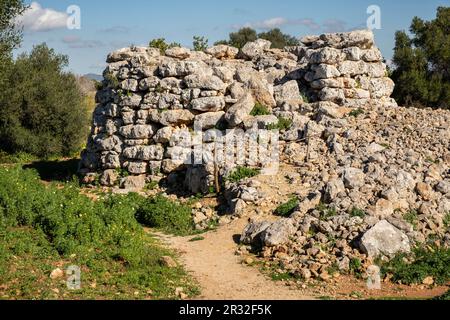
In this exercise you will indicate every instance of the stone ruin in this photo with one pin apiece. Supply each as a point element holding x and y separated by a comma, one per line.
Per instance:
<point>150,102</point>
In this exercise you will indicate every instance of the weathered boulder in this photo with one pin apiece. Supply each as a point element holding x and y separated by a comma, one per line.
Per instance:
<point>278,232</point>
<point>237,113</point>
<point>384,239</point>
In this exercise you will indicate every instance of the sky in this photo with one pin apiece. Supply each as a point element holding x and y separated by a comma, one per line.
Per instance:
<point>107,25</point>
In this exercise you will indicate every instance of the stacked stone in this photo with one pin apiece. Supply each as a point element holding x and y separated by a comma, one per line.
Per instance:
<point>346,69</point>
<point>149,102</point>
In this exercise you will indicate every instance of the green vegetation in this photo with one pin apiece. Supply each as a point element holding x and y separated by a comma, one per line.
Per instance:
<point>241,173</point>
<point>279,40</point>
<point>421,62</point>
<point>355,212</point>
<point>424,262</point>
<point>200,43</point>
<point>260,110</point>
<point>195,239</point>
<point>287,208</point>
<point>43,110</point>
<point>162,213</point>
<point>326,211</point>
<point>162,45</point>
<point>241,37</point>
<point>447,220</point>
<point>45,227</point>
<point>356,113</point>
<point>412,217</point>
<point>283,124</point>
<point>355,267</point>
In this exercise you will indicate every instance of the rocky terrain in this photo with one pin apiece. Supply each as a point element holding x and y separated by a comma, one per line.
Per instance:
<point>365,178</point>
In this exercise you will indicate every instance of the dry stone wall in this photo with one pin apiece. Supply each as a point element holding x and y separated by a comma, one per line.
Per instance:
<point>150,103</point>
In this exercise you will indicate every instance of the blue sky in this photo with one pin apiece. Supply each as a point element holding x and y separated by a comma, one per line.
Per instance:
<point>107,25</point>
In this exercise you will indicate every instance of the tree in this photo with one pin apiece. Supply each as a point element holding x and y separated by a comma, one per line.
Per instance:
<point>200,43</point>
<point>240,38</point>
<point>421,62</point>
<point>42,109</point>
<point>279,40</point>
<point>10,34</point>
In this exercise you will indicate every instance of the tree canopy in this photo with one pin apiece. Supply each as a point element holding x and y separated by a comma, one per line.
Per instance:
<point>241,37</point>
<point>421,62</point>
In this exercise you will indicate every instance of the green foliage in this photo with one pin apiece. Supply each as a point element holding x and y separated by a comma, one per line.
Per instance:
<point>162,213</point>
<point>356,113</point>
<point>282,124</point>
<point>326,211</point>
<point>10,35</point>
<point>412,217</point>
<point>241,173</point>
<point>355,267</point>
<point>421,62</point>
<point>112,80</point>
<point>279,40</point>
<point>286,209</point>
<point>43,110</point>
<point>242,36</point>
<point>200,43</point>
<point>162,45</point>
<point>260,110</point>
<point>447,220</point>
<point>43,225</point>
<point>426,262</point>
<point>356,212</point>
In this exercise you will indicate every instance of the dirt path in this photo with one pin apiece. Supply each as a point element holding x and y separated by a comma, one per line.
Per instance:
<point>219,271</point>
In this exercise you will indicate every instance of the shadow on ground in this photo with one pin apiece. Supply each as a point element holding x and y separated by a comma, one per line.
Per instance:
<point>57,170</point>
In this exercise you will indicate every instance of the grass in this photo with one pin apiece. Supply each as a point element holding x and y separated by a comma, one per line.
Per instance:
<point>282,124</point>
<point>241,173</point>
<point>411,217</point>
<point>426,261</point>
<point>260,110</point>
<point>195,239</point>
<point>287,208</point>
<point>355,267</point>
<point>356,212</point>
<point>45,227</point>
<point>447,220</point>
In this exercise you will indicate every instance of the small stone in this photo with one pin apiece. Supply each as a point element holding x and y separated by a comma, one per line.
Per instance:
<point>167,261</point>
<point>56,274</point>
<point>428,281</point>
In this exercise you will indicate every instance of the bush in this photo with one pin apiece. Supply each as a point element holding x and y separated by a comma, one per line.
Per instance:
<point>282,124</point>
<point>286,209</point>
<point>200,43</point>
<point>426,261</point>
<point>162,45</point>
<point>279,40</point>
<point>356,212</point>
<point>241,173</point>
<point>162,213</point>
<point>43,110</point>
<point>260,110</point>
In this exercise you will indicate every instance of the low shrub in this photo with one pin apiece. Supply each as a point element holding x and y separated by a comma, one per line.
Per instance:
<point>287,208</point>
<point>282,124</point>
<point>260,110</point>
<point>424,262</point>
<point>162,213</point>
<point>241,173</point>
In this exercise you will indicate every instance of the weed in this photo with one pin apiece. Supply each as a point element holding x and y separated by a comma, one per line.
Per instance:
<point>357,112</point>
<point>260,110</point>
<point>356,212</point>
<point>241,173</point>
<point>411,217</point>
<point>287,208</point>
<point>199,238</point>
<point>283,124</point>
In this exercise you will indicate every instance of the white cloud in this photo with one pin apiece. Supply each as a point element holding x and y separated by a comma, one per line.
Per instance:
<point>279,22</point>
<point>37,18</point>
